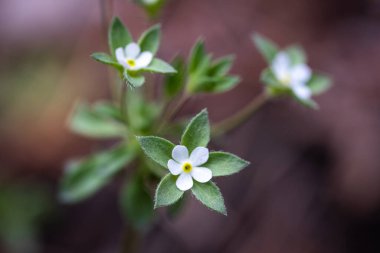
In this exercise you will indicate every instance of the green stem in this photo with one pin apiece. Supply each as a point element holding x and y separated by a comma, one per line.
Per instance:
<point>241,117</point>
<point>123,102</point>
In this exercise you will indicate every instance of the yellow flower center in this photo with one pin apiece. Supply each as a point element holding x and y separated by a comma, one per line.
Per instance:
<point>131,62</point>
<point>286,79</point>
<point>187,167</point>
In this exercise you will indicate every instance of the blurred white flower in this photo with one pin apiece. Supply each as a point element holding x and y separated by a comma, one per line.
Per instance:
<point>150,2</point>
<point>187,167</point>
<point>293,76</point>
<point>132,58</point>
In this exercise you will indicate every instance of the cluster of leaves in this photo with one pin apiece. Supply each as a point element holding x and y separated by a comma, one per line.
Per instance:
<point>196,134</point>
<point>135,115</point>
<point>121,121</point>
<point>318,83</point>
<point>149,41</point>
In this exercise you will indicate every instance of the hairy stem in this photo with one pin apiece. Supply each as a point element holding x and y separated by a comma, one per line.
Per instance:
<point>240,117</point>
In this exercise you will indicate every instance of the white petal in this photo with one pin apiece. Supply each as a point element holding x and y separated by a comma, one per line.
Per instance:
<point>199,156</point>
<point>301,91</point>
<point>132,50</point>
<point>120,56</point>
<point>174,167</point>
<point>281,65</point>
<point>301,73</point>
<point>184,182</point>
<point>180,153</point>
<point>201,174</point>
<point>144,60</point>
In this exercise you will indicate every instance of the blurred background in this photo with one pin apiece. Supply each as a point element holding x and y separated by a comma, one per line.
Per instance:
<point>314,182</point>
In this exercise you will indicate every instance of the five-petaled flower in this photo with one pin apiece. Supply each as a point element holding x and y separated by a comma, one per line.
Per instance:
<point>132,58</point>
<point>187,167</point>
<point>294,76</point>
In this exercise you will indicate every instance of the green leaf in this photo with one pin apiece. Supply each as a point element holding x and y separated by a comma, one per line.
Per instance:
<point>160,66</point>
<point>158,149</point>
<point>150,39</point>
<point>197,56</point>
<point>106,59</point>
<point>296,54</point>
<point>215,84</point>
<point>167,192</point>
<point>221,66</point>
<point>95,123</point>
<point>135,80</point>
<point>319,84</point>
<point>268,78</point>
<point>118,35</point>
<point>197,132</point>
<point>108,109</point>
<point>174,83</point>
<point>137,205</point>
<point>266,47</point>
<point>83,178</point>
<point>224,164</point>
<point>209,194</point>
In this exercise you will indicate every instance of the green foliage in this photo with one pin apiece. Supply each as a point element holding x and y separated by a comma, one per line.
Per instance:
<point>197,132</point>
<point>150,39</point>
<point>156,148</point>
<point>266,47</point>
<point>83,178</point>
<point>136,203</point>
<point>135,80</point>
<point>118,35</point>
<point>209,194</point>
<point>224,164</point>
<point>100,121</point>
<point>296,54</point>
<point>207,76</point>
<point>106,59</point>
<point>160,66</point>
<point>173,84</point>
<point>167,192</point>
<point>318,84</point>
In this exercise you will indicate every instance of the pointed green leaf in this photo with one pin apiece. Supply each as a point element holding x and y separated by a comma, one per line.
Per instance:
<point>160,66</point>
<point>266,47</point>
<point>319,84</point>
<point>106,59</point>
<point>92,122</point>
<point>83,178</point>
<point>174,83</point>
<point>197,132</point>
<point>224,164</point>
<point>118,35</point>
<point>156,148</point>
<point>167,192</point>
<point>197,56</point>
<point>296,54</point>
<point>137,205</point>
<point>150,39</point>
<point>135,80</point>
<point>209,194</point>
<point>221,66</point>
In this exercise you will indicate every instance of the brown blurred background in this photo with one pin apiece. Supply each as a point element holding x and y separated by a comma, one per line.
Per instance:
<point>314,182</point>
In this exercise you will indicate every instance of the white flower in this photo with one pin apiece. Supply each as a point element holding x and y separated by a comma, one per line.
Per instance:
<point>187,167</point>
<point>293,76</point>
<point>150,2</point>
<point>132,58</point>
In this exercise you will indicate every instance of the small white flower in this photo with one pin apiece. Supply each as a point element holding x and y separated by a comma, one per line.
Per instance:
<point>293,76</point>
<point>187,167</point>
<point>150,2</point>
<point>132,58</point>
